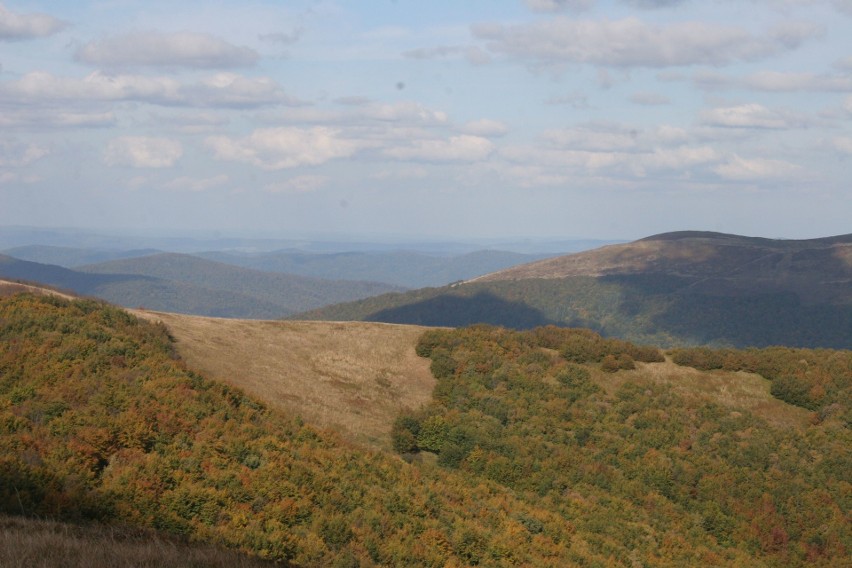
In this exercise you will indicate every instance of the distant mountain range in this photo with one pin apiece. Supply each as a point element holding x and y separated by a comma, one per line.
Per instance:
<point>408,269</point>
<point>400,268</point>
<point>185,284</point>
<point>675,288</point>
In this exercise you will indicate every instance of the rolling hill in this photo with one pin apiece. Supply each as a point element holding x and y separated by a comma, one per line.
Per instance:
<point>185,284</point>
<point>672,289</point>
<point>400,268</point>
<point>69,257</point>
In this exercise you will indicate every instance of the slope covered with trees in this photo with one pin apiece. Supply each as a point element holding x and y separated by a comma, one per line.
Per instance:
<point>99,419</point>
<point>560,417</point>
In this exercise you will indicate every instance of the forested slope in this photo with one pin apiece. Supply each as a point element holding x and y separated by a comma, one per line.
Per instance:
<point>579,423</point>
<point>99,419</point>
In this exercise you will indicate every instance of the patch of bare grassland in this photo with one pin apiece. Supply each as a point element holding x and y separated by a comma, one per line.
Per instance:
<point>354,377</point>
<point>737,390</point>
<point>27,543</point>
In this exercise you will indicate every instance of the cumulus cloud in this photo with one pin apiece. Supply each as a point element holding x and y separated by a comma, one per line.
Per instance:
<point>219,90</point>
<point>652,4</point>
<point>17,26</point>
<point>142,152</point>
<point>558,5</point>
<point>54,118</point>
<point>485,127</point>
<point>298,184</point>
<point>843,144</point>
<point>285,147</point>
<point>649,99</point>
<point>18,154</point>
<point>193,184</point>
<point>776,81</point>
<point>284,38</point>
<point>365,113</point>
<point>737,168</point>
<point>577,99</point>
<point>592,138</point>
<point>631,42</point>
<point>462,148</point>
<point>473,54</point>
<point>844,6</point>
<point>157,49</point>
<point>751,115</point>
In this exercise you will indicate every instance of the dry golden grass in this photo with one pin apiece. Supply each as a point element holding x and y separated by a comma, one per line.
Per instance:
<point>736,390</point>
<point>27,543</point>
<point>354,376</point>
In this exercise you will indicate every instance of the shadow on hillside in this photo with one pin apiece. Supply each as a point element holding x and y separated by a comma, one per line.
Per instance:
<point>717,313</point>
<point>455,311</point>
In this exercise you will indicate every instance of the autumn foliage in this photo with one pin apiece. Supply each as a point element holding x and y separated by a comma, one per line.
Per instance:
<point>643,475</point>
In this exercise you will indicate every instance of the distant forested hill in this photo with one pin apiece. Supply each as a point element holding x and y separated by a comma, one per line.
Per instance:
<point>70,257</point>
<point>401,268</point>
<point>185,284</point>
<point>678,288</point>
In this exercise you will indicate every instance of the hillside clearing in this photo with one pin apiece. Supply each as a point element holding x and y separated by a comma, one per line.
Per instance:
<point>354,377</point>
<point>739,391</point>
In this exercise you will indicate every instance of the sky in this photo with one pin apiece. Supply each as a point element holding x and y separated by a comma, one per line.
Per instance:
<point>443,119</point>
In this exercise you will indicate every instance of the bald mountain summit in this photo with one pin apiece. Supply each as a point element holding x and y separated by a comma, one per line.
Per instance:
<point>681,288</point>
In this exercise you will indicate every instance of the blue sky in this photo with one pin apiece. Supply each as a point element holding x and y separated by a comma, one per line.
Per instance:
<point>536,118</point>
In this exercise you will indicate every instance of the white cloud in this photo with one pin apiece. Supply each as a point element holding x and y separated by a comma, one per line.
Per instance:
<point>365,114</point>
<point>285,147</point>
<point>485,127</point>
<point>577,99</point>
<point>474,55</point>
<point>219,90</point>
<point>844,6</point>
<point>776,81</point>
<point>558,5</point>
<point>298,184</point>
<point>649,99</point>
<point>843,144</point>
<point>54,118</point>
<point>156,49</point>
<point>18,154</point>
<point>188,183</point>
<point>650,4</point>
<point>592,138</point>
<point>142,152</point>
<point>752,115</point>
<point>667,134</point>
<point>741,169</point>
<point>15,26</point>
<point>463,148</point>
<point>632,42</point>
